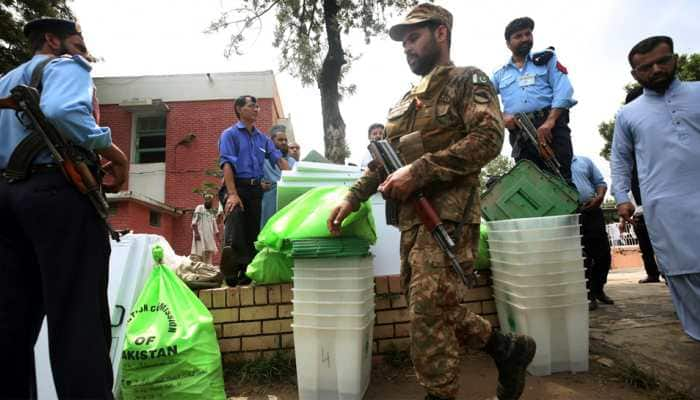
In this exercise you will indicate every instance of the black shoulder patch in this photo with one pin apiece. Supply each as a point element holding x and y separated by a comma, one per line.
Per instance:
<point>543,57</point>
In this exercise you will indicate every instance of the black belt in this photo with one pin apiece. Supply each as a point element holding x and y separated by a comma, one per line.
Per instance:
<point>247,181</point>
<point>539,114</point>
<point>38,168</point>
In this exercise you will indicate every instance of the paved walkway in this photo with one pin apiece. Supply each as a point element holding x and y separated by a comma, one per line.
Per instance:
<point>641,328</point>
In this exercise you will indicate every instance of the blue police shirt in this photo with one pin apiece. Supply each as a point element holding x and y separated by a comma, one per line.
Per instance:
<point>533,87</point>
<point>246,151</point>
<point>586,177</point>
<point>66,101</point>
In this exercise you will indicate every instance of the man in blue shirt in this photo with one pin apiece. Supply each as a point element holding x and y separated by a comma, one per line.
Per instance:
<point>54,249</point>
<point>537,85</point>
<point>278,135</point>
<point>242,151</point>
<point>660,130</point>
<point>591,188</point>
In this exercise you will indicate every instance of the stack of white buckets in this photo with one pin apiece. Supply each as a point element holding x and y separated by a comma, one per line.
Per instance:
<point>540,288</point>
<point>333,311</point>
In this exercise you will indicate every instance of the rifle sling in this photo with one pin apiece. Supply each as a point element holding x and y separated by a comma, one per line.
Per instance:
<point>28,149</point>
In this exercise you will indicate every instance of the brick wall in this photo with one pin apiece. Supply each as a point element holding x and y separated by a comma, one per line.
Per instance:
<point>135,216</point>
<point>184,164</point>
<point>254,321</point>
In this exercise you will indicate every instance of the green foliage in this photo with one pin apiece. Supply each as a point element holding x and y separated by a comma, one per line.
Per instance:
<point>211,183</point>
<point>688,70</point>
<point>497,167</point>
<point>300,30</point>
<point>278,368</point>
<point>14,14</point>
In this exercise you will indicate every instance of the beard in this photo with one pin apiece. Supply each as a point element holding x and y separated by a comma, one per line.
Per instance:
<point>659,82</point>
<point>523,49</point>
<point>422,65</point>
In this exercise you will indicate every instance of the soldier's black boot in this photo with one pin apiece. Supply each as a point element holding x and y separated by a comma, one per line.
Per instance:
<point>433,397</point>
<point>512,353</point>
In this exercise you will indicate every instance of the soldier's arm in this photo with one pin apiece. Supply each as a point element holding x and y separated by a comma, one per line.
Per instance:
<point>364,187</point>
<point>481,142</point>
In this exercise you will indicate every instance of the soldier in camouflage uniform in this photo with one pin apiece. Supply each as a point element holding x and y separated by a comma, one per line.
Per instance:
<point>445,129</point>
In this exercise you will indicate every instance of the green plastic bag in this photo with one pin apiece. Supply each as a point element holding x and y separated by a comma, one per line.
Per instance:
<point>483,260</point>
<point>270,266</point>
<point>306,217</point>
<point>171,350</point>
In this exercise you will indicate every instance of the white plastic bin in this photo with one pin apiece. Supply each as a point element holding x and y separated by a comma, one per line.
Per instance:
<point>537,257</point>
<point>541,301</point>
<point>536,245</point>
<point>332,272</point>
<point>519,224</point>
<point>521,268</point>
<point>350,321</point>
<point>333,364</point>
<point>365,282</point>
<point>541,290</point>
<point>535,234</point>
<point>538,279</point>
<point>334,308</point>
<point>561,333</point>
<point>342,295</point>
<point>334,263</point>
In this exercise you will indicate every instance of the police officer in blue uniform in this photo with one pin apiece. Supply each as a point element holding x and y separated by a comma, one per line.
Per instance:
<point>54,248</point>
<point>536,84</point>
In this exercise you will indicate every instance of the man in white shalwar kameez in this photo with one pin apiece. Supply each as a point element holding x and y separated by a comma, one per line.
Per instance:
<point>661,129</point>
<point>204,230</point>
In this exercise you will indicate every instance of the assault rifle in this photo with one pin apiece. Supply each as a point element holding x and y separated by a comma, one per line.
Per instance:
<point>382,152</point>
<point>72,161</point>
<point>530,133</point>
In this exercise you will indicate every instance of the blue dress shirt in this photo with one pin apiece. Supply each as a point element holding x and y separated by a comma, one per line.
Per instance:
<point>533,87</point>
<point>662,131</point>
<point>66,101</point>
<point>586,177</point>
<point>246,151</point>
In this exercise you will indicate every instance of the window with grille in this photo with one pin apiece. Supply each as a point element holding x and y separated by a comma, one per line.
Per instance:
<point>150,139</point>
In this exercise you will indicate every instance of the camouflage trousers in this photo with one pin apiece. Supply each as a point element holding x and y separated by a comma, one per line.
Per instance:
<point>439,324</point>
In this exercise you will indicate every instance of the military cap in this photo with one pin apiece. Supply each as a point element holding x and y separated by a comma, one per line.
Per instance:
<point>519,24</point>
<point>421,13</point>
<point>52,25</point>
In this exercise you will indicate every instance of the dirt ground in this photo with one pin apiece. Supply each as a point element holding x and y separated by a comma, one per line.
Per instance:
<point>477,382</point>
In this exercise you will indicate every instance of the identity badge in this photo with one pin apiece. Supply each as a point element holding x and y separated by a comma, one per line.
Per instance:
<point>526,80</point>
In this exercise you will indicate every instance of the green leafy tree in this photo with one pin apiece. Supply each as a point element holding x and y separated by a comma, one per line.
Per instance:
<point>688,70</point>
<point>14,14</point>
<point>496,167</point>
<point>308,34</point>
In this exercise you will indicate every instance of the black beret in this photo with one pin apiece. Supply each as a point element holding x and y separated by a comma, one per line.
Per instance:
<point>519,24</point>
<point>52,25</point>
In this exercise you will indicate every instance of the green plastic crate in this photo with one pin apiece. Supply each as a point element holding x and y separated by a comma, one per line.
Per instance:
<point>527,192</point>
<point>329,247</point>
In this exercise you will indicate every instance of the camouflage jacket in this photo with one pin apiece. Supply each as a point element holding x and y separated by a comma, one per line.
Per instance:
<point>447,128</point>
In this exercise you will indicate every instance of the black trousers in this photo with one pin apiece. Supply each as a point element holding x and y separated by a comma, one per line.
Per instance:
<point>241,227</point>
<point>640,229</point>
<point>596,249</point>
<point>561,144</point>
<point>54,261</point>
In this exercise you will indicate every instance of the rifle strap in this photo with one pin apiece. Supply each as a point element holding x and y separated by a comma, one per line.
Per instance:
<point>29,148</point>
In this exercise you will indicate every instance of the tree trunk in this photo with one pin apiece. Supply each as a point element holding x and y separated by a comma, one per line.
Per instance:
<point>333,124</point>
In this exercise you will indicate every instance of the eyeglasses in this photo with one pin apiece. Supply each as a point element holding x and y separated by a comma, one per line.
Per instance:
<point>661,62</point>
